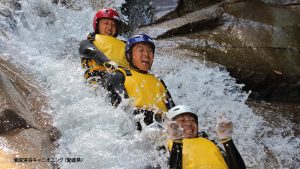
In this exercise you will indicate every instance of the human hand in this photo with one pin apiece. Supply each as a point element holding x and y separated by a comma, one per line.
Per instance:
<point>175,132</point>
<point>224,127</point>
<point>110,66</point>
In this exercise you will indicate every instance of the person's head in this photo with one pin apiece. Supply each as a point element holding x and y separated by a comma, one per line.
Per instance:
<point>186,119</point>
<point>140,52</point>
<point>107,22</point>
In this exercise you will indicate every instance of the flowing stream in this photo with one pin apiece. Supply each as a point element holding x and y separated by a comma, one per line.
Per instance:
<point>46,42</point>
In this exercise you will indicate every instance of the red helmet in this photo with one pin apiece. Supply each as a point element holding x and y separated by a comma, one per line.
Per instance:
<point>105,13</point>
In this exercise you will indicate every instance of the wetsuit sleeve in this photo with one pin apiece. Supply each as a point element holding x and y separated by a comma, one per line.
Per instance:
<point>88,50</point>
<point>170,103</point>
<point>115,87</point>
<point>175,161</point>
<point>233,157</point>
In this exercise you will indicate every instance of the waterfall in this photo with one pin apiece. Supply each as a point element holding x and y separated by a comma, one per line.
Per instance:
<point>45,42</point>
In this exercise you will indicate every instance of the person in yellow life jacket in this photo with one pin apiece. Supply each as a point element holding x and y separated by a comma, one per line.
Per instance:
<point>102,51</point>
<point>148,94</point>
<point>189,151</point>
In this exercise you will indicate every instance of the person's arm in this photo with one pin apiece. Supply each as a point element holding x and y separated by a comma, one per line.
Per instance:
<point>115,87</point>
<point>233,157</point>
<point>224,130</point>
<point>88,50</point>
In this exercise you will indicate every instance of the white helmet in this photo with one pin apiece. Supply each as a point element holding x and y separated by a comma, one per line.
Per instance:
<point>180,109</point>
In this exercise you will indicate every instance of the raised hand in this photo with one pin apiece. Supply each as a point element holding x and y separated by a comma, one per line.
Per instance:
<point>175,132</point>
<point>224,127</point>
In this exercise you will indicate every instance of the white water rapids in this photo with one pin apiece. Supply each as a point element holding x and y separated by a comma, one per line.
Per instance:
<point>46,44</point>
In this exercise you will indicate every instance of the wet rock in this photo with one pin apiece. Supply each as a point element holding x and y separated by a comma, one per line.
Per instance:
<point>145,13</point>
<point>259,45</point>
<point>12,99</point>
<point>273,16</point>
<point>281,2</point>
<point>10,121</point>
<point>25,129</point>
<point>28,143</point>
<point>195,21</point>
<point>19,93</point>
<point>164,9</point>
<point>275,111</point>
<point>186,6</point>
<point>54,134</point>
<point>294,8</point>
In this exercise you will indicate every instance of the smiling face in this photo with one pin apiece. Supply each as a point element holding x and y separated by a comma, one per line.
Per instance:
<point>142,56</point>
<point>107,27</point>
<point>189,125</point>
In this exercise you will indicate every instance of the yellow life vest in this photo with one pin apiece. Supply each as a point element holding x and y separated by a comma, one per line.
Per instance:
<point>200,153</point>
<point>146,91</point>
<point>113,48</point>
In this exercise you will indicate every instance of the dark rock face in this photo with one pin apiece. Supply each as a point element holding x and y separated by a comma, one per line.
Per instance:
<point>281,2</point>
<point>260,49</point>
<point>164,9</point>
<point>273,16</point>
<point>145,13</point>
<point>191,22</point>
<point>269,66</point>
<point>10,121</point>
<point>186,6</point>
<point>26,128</point>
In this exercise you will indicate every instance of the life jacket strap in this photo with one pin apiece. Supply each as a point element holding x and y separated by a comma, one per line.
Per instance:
<point>127,71</point>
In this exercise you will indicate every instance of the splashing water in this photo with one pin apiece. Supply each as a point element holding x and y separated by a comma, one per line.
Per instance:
<point>46,43</point>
